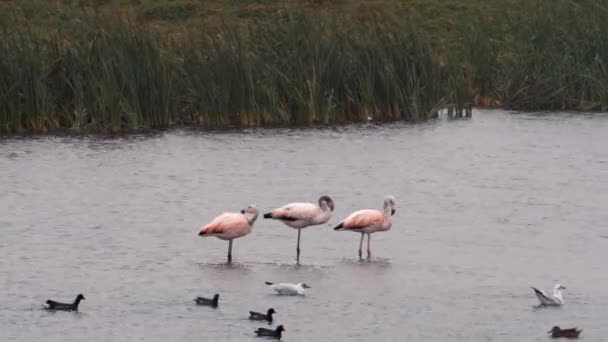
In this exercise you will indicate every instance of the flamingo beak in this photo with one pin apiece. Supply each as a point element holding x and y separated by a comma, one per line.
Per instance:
<point>393,212</point>
<point>243,211</point>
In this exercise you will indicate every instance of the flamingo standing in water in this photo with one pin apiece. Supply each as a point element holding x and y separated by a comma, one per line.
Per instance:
<point>302,215</point>
<point>229,226</point>
<point>368,221</point>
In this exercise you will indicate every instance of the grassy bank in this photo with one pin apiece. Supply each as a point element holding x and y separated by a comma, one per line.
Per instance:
<point>121,65</point>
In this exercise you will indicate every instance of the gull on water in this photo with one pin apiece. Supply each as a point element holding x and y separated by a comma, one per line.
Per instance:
<point>289,289</point>
<point>556,299</point>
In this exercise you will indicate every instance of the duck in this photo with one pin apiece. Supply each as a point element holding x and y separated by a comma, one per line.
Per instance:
<point>208,302</point>
<point>555,300</point>
<point>556,332</point>
<point>289,289</point>
<point>53,305</point>
<point>276,333</point>
<point>256,316</point>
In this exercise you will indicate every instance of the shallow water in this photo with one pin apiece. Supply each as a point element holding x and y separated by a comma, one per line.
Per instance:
<point>485,208</point>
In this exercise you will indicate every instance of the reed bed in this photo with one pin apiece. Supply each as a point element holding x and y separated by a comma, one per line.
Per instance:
<point>535,55</point>
<point>292,69</point>
<point>302,67</point>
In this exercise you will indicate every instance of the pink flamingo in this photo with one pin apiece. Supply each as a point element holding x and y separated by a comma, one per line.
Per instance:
<point>368,221</point>
<point>229,226</point>
<point>302,215</point>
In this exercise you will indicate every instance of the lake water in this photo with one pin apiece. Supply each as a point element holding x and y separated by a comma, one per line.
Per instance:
<point>486,208</point>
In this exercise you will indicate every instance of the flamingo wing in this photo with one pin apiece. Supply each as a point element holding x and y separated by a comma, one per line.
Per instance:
<point>362,218</point>
<point>223,223</point>
<point>295,212</point>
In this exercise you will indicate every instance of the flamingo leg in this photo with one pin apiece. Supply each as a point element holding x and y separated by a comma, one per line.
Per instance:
<point>298,247</point>
<point>369,251</point>
<point>361,246</point>
<point>229,251</point>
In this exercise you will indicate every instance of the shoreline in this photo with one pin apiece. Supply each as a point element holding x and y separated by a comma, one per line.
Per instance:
<point>142,131</point>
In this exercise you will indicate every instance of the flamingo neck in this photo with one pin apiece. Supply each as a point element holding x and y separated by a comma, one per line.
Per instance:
<point>324,207</point>
<point>387,211</point>
<point>325,214</point>
<point>557,293</point>
<point>251,217</point>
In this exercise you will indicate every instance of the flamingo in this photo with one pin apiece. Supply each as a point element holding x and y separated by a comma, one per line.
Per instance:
<point>302,215</point>
<point>229,226</point>
<point>368,221</point>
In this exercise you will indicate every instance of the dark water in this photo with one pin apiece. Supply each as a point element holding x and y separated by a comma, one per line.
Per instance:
<point>485,208</point>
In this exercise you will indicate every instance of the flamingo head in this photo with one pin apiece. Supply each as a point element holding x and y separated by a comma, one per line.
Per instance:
<point>389,203</point>
<point>251,212</point>
<point>326,202</point>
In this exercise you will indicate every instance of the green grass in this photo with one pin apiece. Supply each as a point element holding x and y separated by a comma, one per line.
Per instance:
<point>538,56</point>
<point>120,65</point>
<point>173,11</point>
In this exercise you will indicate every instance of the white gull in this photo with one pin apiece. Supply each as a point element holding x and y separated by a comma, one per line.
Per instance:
<point>289,289</point>
<point>556,299</point>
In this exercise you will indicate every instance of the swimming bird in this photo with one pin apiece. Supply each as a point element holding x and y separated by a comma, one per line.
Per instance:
<point>256,316</point>
<point>289,289</point>
<point>276,333</point>
<point>208,302</point>
<point>53,305</point>
<point>568,333</point>
<point>368,221</point>
<point>302,215</point>
<point>556,299</point>
<point>229,226</point>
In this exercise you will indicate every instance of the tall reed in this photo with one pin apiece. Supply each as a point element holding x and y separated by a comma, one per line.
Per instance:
<point>302,67</point>
<point>291,69</point>
<point>536,55</point>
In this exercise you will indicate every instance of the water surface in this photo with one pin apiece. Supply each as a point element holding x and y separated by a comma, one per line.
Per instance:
<point>485,208</point>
